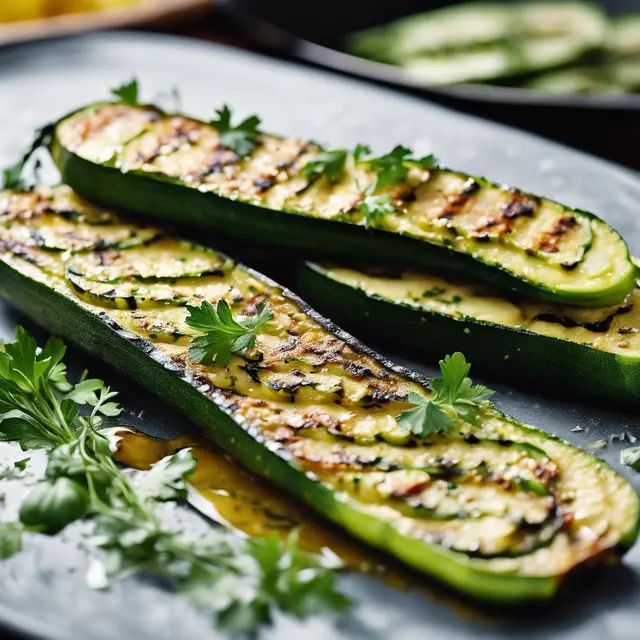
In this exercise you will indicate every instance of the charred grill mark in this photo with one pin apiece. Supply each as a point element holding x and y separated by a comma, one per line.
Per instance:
<point>596,327</point>
<point>252,369</point>
<point>23,252</point>
<point>549,241</point>
<point>264,184</point>
<point>180,131</point>
<point>100,119</point>
<point>456,201</point>
<point>219,159</point>
<point>520,206</point>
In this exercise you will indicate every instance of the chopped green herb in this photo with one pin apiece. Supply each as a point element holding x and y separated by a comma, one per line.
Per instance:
<point>451,300</point>
<point>224,334</point>
<point>631,457</point>
<point>433,291</point>
<point>454,395</point>
<point>360,152</point>
<point>25,174</point>
<point>240,581</point>
<point>393,167</point>
<point>242,138</point>
<point>374,209</point>
<point>127,93</point>
<point>21,465</point>
<point>329,164</point>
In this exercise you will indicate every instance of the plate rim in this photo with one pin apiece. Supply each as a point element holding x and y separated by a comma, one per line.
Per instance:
<point>273,35</point>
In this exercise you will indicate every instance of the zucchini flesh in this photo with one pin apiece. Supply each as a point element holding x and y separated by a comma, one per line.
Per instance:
<point>500,510</point>
<point>173,167</point>
<point>593,353</point>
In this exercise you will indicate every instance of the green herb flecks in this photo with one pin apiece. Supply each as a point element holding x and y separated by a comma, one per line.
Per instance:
<point>454,396</point>
<point>224,334</point>
<point>128,93</point>
<point>374,209</point>
<point>243,138</point>
<point>329,164</point>
<point>240,581</point>
<point>631,457</point>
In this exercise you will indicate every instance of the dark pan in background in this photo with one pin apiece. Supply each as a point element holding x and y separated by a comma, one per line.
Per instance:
<point>605,125</point>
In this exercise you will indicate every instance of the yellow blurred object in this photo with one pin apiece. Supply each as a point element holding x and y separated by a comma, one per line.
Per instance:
<point>18,10</point>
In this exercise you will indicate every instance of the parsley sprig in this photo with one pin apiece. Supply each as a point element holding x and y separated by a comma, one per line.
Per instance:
<point>243,138</point>
<point>329,164</point>
<point>224,334</point>
<point>393,167</point>
<point>454,396</point>
<point>128,93</point>
<point>240,581</point>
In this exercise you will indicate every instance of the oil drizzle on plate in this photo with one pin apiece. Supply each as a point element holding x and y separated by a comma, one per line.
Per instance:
<point>243,501</point>
<point>236,498</point>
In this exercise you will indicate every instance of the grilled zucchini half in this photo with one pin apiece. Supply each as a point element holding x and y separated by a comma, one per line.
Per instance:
<point>590,353</point>
<point>499,511</point>
<point>174,168</point>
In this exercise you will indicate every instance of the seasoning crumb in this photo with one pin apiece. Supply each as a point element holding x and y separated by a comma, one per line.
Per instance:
<point>627,330</point>
<point>577,429</point>
<point>624,344</point>
<point>597,445</point>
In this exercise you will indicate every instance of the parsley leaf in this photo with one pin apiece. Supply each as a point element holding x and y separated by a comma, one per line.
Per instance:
<point>127,93</point>
<point>360,152</point>
<point>21,465</point>
<point>167,479</point>
<point>453,394</point>
<point>224,334</point>
<point>242,138</point>
<point>10,539</point>
<point>240,581</point>
<point>393,167</point>
<point>329,164</point>
<point>631,457</point>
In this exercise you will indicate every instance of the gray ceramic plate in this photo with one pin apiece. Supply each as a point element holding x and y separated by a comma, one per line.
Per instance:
<point>42,590</point>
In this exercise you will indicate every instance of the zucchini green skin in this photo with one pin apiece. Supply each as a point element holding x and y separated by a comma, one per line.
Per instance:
<point>512,353</point>
<point>140,360</point>
<point>156,196</point>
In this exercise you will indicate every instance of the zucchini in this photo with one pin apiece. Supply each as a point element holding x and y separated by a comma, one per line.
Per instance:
<point>500,511</point>
<point>174,168</point>
<point>624,36</point>
<point>613,76</point>
<point>485,41</point>
<point>590,353</point>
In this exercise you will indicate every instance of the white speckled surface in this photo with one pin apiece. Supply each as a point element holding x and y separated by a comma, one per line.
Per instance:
<point>43,589</point>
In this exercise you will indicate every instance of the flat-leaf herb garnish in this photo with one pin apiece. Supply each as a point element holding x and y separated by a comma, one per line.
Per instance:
<point>224,334</point>
<point>454,396</point>
<point>329,164</point>
<point>243,138</point>
<point>128,93</point>
<point>241,581</point>
<point>25,173</point>
<point>392,168</point>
